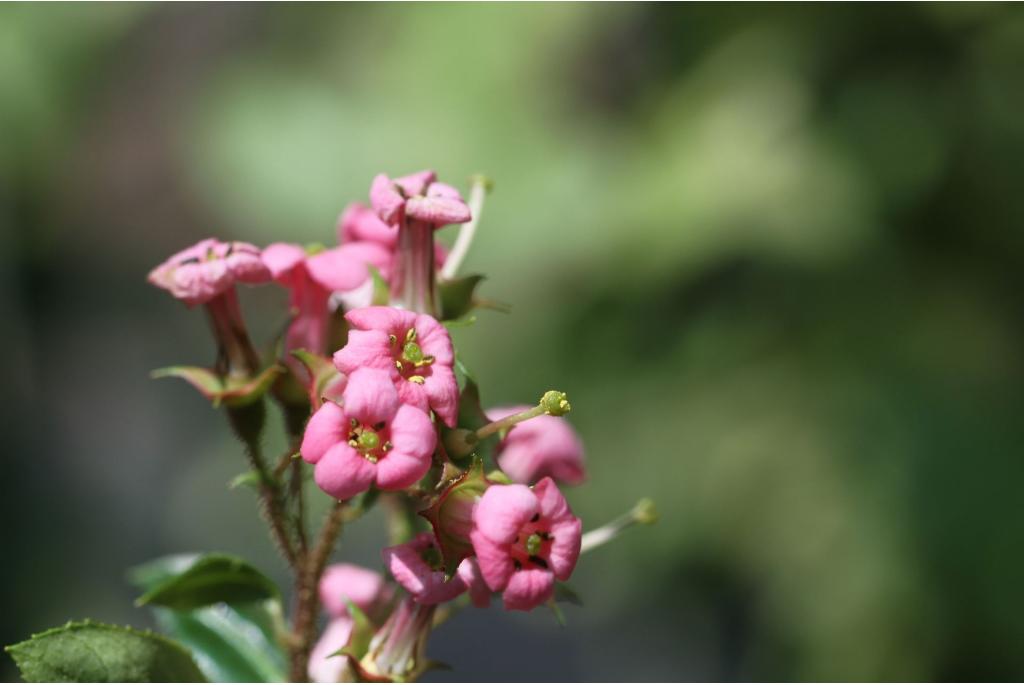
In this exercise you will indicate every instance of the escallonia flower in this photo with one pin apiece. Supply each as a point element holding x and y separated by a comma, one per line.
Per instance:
<point>360,224</point>
<point>546,445</point>
<point>372,438</point>
<point>341,584</point>
<point>524,539</point>
<point>417,197</point>
<point>206,274</point>
<point>311,275</point>
<point>414,349</point>
<point>418,567</point>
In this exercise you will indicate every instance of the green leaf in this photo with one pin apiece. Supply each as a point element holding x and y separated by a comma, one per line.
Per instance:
<point>90,652</point>
<point>231,643</point>
<point>362,632</point>
<point>210,579</point>
<point>249,479</point>
<point>457,296</point>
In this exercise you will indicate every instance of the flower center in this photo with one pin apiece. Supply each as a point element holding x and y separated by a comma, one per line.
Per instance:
<point>532,546</point>
<point>367,440</point>
<point>409,358</point>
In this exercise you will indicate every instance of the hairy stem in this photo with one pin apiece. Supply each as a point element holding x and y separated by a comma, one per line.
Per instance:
<point>307,599</point>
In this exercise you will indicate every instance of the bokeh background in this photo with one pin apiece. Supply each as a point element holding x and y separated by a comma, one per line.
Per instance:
<point>773,253</point>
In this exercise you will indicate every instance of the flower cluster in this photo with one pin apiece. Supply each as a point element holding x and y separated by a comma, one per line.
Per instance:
<point>381,408</point>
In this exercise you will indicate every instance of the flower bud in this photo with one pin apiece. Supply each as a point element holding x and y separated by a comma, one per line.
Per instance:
<point>451,515</point>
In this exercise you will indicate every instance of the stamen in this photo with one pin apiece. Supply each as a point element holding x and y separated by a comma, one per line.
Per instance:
<point>392,339</point>
<point>410,335</point>
<point>418,380</point>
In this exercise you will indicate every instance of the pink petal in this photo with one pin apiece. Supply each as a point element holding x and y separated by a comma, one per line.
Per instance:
<point>360,223</point>
<point>281,258</point>
<point>337,269</point>
<point>325,429</point>
<point>365,349</point>
<point>479,593</point>
<point>565,550</point>
<point>398,470</point>
<point>442,389</point>
<point>503,510</point>
<point>324,668</point>
<point>426,585</point>
<point>415,184</point>
<point>434,340</point>
<point>439,189</point>
<point>543,446</point>
<point>386,200</point>
<point>370,396</point>
<point>343,583</point>
<point>343,473</point>
<point>437,210</point>
<point>413,394</point>
<point>493,559</point>
<point>388,319</point>
<point>413,433</point>
<point>372,254</point>
<point>550,502</point>
<point>528,588</point>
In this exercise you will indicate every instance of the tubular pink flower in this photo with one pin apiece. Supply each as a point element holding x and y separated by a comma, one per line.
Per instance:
<point>543,446</point>
<point>311,280</point>
<point>525,539</point>
<point>416,565</point>
<point>360,224</point>
<point>324,668</point>
<point>343,583</point>
<point>371,438</point>
<point>417,197</point>
<point>209,268</point>
<point>414,349</point>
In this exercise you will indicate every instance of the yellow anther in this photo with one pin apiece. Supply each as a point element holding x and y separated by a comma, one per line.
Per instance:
<point>410,335</point>
<point>418,380</point>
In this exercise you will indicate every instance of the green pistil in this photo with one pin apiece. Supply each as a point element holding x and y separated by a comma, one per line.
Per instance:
<point>533,544</point>
<point>412,353</point>
<point>368,440</point>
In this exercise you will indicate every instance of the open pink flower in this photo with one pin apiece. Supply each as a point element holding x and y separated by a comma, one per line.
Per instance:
<point>418,197</point>
<point>209,268</point>
<point>543,446</point>
<point>312,278</point>
<point>414,349</point>
<point>343,583</point>
<point>417,566</point>
<point>524,539</point>
<point>371,438</point>
<point>323,667</point>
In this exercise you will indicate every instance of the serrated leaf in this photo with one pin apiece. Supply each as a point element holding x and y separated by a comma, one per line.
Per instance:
<point>210,579</point>
<point>457,296</point>
<point>90,652</point>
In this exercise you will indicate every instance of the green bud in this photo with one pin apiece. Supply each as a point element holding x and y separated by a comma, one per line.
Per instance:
<point>555,403</point>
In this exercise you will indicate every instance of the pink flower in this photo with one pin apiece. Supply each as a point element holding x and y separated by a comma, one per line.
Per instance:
<point>417,566</point>
<point>371,438</point>
<point>414,349</point>
<point>359,223</point>
<point>209,268</point>
<point>311,280</point>
<point>543,446</point>
<point>343,583</point>
<point>419,197</point>
<point>524,539</point>
<point>324,668</point>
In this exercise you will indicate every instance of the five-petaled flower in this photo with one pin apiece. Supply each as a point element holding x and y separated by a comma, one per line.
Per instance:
<point>543,446</point>
<point>418,197</point>
<point>417,566</point>
<point>524,539</point>
<point>414,349</point>
<point>209,268</point>
<point>371,438</point>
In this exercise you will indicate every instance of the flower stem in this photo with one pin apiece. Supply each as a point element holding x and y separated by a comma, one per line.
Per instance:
<point>307,603</point>
<point>477,193</point>
<point>507,422</point>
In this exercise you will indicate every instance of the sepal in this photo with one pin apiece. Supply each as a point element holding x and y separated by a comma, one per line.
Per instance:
<point>451,514</point>
<point>227,390</point>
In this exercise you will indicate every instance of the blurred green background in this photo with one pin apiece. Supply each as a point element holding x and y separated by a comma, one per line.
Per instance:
<point>773,253</point>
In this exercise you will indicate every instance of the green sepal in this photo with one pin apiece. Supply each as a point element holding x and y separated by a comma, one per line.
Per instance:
<point>362,632</point>
<point>89,652</point>
<point>233,392</point>
<point>457,296</point>
<point>210,579</point>
<point>322,372</point>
